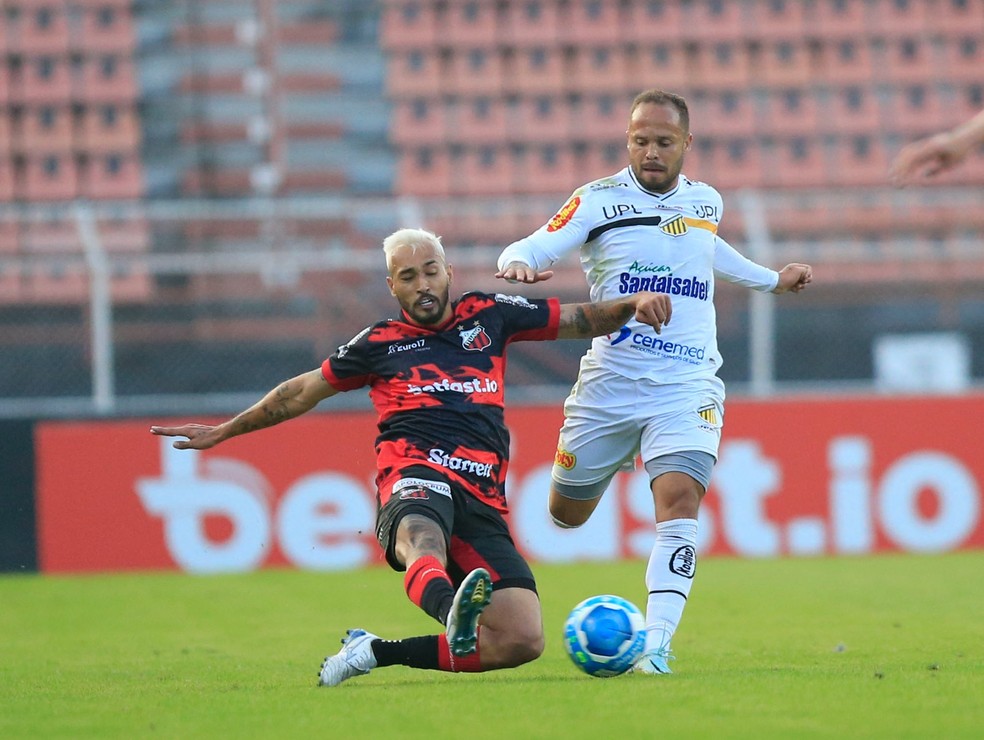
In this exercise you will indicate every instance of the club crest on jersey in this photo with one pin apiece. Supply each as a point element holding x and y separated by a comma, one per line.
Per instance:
<point>676,226</point>
<point>475,338</point>
<point>564,215</point>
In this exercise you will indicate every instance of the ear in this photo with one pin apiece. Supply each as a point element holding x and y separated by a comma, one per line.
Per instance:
<point>389,284</point>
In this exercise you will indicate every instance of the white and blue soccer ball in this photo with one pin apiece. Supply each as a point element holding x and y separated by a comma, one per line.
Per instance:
<point>605,635</point>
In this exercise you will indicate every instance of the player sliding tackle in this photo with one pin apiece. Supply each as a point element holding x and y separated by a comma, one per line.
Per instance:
<point>435,376</point>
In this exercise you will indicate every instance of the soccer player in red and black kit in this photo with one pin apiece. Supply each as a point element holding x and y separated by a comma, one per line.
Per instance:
<point>435,377</point>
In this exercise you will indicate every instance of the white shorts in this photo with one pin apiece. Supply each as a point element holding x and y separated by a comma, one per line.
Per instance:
<point>611,419</point>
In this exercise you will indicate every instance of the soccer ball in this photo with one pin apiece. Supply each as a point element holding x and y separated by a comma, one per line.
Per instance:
<point>605,635</point>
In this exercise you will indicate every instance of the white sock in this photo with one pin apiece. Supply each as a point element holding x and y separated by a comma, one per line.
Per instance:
<point>669,576</point>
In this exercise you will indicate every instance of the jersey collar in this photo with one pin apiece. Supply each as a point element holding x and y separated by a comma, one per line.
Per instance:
<point>661,196</point>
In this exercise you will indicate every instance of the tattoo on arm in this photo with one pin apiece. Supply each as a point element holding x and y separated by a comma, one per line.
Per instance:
<point>594,319</point>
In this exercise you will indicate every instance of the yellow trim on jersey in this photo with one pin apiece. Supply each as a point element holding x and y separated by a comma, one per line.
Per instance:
<point>699,223</point>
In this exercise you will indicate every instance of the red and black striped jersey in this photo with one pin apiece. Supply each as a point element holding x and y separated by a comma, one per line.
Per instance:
<point>438,391</point>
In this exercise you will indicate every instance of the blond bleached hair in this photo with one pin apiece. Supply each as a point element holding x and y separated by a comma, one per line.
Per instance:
<point>412,238</point>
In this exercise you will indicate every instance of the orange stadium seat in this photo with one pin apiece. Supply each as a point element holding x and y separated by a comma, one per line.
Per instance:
<point>409,24</point>
<point>108,128</point>
<point>414,73</point>
<point>712,20</point>
<point>470,24</point>
<point>603,160</point>
<point>963,58</point>
<point>533,23</point>
<point>107,26</point>
<point>320,32</point>
<point>113,176</point>
<point>859,161</point>
<point>44,79</point>
<point>902,17</point>
<point>792,112</point>
<point>783,63</point>
<point>41,29</point>
<point>662,65</point>
<point>601,69</point>
<point>853,110</point>
<point>50,176</point>
<point>548,169</point>
<point>57,282</point>
<point>798,162</point>
<point>959,17</point>
<point>4,81</point>
<point>592,23</point>
<point>474,71</point>
<point>320,180</point>
<point>647,21</point>
<point>479,121</point>
<point>426,172</point>
<point>601,118</point>
<point>6,135</point>
<point>845,61</point>
<point>916,110</point>
<point>543,119</point>
<point>107,78</point>
<point>122,236</point>
<point>840,18</point>
<point>44,238</point>
<point>907,61</point>
<point>486,170</point>
<point>736,163</point>
<point>721,65</point>
<point>538,71</point>
<point>46,128</point>
<point>8,182</point>
<point>419,121</point>
<point>9,237</point>
<point>777,19</point>
<point>728,114</point>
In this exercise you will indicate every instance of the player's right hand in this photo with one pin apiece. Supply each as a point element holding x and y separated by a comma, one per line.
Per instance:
<point>199,436</point>
<point>518,272</point>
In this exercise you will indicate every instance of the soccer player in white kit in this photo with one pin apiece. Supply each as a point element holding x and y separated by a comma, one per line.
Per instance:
<point>647,227</point>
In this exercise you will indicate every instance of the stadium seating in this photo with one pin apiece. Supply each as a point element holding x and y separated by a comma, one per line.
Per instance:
<point>409,24</point>
<point>533,24</point>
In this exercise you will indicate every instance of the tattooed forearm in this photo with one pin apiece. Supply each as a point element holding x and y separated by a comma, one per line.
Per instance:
<point>272,409</point>
<point>593,319</point>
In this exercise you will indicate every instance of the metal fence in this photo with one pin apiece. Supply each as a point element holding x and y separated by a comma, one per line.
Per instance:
<point>158,306</point>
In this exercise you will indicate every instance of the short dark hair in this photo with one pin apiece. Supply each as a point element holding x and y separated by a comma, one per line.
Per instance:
<point>662,97</point>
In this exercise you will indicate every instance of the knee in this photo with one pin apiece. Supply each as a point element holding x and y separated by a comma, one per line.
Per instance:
<point>522,646</point>
<point>566,513</point>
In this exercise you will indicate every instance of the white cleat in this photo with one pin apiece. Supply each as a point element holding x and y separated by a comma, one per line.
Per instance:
<point>653,662</point>
<point>354,659</point>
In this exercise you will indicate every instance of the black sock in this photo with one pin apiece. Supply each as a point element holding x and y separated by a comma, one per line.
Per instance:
<point>416,652</point>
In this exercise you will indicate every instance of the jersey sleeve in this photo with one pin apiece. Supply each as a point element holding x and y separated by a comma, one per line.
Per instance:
<point>565,232</point>
<point>738,269</point>
<point>348,368</point>
<point>528,319</point>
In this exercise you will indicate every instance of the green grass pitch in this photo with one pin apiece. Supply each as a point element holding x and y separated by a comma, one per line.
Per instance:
<point>873,647</point>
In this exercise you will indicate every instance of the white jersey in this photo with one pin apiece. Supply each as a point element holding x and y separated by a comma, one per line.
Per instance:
<point>632,240</point>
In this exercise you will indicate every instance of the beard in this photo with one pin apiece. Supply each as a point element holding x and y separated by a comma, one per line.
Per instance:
<point>434,313</point>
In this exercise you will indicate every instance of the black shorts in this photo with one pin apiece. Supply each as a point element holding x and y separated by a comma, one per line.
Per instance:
<point>478,534</point>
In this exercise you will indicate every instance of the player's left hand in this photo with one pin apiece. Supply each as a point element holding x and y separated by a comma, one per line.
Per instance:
<point>793,278</point>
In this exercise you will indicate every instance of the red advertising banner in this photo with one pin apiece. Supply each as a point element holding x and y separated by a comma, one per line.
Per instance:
<point>795,477</point>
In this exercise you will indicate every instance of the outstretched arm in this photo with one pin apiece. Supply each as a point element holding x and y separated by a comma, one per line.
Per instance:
<point>583,320</point>
<point>291,398</point>
<point>793,278</point>
<point>934,154</point>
